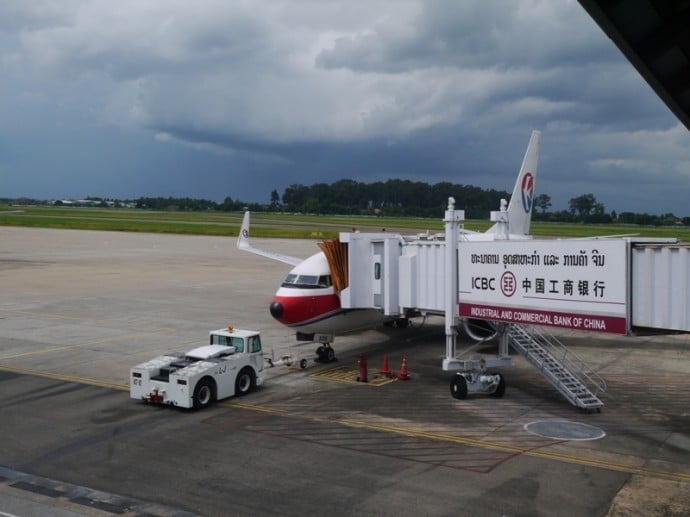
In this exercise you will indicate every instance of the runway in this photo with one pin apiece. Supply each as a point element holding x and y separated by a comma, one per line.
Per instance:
<point>79,308</point>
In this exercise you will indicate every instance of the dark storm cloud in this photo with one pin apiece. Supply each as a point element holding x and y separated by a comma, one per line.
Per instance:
<point>198,97</point>
<point>471,34</point>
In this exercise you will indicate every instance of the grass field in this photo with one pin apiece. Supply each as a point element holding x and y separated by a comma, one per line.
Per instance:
<point>283,225</point>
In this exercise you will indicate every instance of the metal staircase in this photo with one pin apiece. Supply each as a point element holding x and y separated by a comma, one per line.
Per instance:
<point>562,367</point>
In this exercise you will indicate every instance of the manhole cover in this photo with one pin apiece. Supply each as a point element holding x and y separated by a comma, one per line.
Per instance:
<point>564,430</point>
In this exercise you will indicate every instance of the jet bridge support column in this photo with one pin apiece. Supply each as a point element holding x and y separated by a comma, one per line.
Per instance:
<point>451,283</point>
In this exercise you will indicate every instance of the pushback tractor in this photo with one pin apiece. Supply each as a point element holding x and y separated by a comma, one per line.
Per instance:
<point>231,364</point>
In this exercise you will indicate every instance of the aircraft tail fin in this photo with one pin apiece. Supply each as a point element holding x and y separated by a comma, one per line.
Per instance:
<point>243,237</point>
<point>522,200</point>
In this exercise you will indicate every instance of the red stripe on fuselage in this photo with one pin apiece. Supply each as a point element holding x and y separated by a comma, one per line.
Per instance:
<point>298,310</point>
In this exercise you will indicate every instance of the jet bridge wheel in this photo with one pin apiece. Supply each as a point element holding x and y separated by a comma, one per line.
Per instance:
<point>458,386</point>
<point>203,393</point>
<point>500,388</point>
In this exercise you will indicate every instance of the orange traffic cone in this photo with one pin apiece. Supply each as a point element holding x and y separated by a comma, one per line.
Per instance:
<point>403,376</point>
<point>385,370</point>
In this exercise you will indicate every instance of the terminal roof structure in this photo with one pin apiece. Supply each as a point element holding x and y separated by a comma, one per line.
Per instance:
<point>655,37</point>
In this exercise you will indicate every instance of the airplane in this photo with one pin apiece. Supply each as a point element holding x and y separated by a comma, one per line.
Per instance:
<point>308,302</point>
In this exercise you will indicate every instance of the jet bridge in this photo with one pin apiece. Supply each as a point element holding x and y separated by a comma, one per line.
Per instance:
<point>623,286</point>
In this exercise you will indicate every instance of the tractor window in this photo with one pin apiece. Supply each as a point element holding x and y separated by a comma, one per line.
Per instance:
<point>219,340</point>
<point>236,342</point>
<point>254,344</point>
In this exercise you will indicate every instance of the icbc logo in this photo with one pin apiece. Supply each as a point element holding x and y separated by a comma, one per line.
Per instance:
<point>483,283</point>
<point>508,284</point>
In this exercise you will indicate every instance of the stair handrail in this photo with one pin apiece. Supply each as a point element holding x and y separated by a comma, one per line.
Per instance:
<point>564,355</point>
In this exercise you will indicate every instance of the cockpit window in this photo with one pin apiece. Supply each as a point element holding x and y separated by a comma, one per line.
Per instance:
<point>307,281</point>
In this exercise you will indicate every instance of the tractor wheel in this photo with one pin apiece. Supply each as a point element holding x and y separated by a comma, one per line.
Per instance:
<point>203,393</point>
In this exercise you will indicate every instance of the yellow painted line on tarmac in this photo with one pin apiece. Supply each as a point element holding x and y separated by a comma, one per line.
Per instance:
<point>350,375</point>
<point>86,343</point>
<point>483,444</point>
<point>65,377</point>
<point>395,429</point>
<point>537,453</point>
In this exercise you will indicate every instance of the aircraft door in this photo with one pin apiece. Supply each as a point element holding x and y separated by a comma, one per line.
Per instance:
<point>377,274</point>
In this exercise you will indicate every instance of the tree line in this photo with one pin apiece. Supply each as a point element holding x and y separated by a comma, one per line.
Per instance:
<point>586,209</point>
<point>390,198</point>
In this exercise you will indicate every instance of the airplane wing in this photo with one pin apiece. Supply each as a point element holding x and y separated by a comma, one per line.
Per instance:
<point>244,245</point>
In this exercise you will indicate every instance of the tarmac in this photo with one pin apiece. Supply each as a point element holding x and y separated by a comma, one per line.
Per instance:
<point>79,308</point>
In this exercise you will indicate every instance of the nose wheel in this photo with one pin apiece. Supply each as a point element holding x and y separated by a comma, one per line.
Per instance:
<point>325,353</point>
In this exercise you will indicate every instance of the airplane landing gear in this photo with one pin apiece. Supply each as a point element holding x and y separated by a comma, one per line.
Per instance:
<point>325,353</point>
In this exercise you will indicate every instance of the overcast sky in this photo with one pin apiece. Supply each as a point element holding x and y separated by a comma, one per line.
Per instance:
<point>216,98</point>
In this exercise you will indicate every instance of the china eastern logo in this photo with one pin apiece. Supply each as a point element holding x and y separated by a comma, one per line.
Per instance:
<point>527,191</point>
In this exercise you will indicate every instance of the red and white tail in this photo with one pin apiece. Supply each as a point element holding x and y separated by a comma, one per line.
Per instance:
<point>522,200</point>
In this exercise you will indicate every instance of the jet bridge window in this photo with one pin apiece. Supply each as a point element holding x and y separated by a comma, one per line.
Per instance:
<point>307,281</point>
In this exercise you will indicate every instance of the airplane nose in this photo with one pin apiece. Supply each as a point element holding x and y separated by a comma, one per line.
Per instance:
<point>276,309</point>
